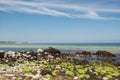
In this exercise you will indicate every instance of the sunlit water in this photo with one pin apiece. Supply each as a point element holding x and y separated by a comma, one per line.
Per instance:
<point>69,48</point>
<point>65,47</point>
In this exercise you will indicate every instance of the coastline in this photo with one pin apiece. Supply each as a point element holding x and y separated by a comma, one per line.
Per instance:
<point>51,64</point>
<point>73,47</point>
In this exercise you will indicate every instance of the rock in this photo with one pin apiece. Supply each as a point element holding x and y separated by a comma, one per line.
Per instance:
<point>76,78</point>
<point>50,57</point>
<point>10,75</point>
<point>96,73</point>
<point>28,75</point>
<point>83,54</point>
<point>58,67</point>
<point>105,78</point>
<point>104,54</point>
<point>37,76</point>
<point>17,54</point>
<point>45,79</point>
<point>10,54</point>
<point>76,61</point>
<point>54,52</point>
<point>40,51</point>
<point>38,72</point>
<point>2,53</point>
<point>44,72</point>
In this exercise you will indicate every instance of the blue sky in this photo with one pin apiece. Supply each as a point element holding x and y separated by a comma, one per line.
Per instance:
<point>48,21</point>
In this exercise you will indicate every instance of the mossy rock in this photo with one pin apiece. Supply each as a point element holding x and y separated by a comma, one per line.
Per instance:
<point>5,65</point>
<point>54,73</point>
<point>48,76</point>
<point>84,76</point>
<point>26,69</point>
<point>70,73</point>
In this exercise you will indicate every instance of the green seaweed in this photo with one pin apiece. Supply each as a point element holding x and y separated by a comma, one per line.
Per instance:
<point>26,69</point>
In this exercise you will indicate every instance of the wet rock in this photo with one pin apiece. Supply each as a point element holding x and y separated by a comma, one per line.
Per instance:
<point>116,63</point>
<point>104,54</point>
<point>2,53</point>
<point>76,61</point>
<point>44,72</point>
<point>83,54</point>
<point>54,52</point>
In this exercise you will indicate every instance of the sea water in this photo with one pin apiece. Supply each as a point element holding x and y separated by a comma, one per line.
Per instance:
<point>64,47</point>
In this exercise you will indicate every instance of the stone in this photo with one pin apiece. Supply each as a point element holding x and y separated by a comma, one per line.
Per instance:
<point>10,54</point>
<point>105,78</point>
<point>37,76</point>
<point>76,78</point>
<point>83,54</point>
<point>2,53</point>
<point>40,50</point>
<point>104,54</point>
<point>10,75</point>
<point>44,72</point>
<point>53,51</point>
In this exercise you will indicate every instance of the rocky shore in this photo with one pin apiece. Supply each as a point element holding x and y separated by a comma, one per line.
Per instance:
<point>51,64</point>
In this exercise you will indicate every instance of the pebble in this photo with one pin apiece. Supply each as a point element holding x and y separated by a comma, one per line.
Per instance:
<point>10,75</point>
<point>105,78</point>
<point>45,79</point>
<point>76,78</point>
<point>14,78</point>
<point>37,76</point>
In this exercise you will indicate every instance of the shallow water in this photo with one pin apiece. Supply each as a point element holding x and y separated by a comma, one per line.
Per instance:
<point>65,47</point>
<point>70,48</point>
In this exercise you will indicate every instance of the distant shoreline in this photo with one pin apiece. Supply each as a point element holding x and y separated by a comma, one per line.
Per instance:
<point>13,42</point>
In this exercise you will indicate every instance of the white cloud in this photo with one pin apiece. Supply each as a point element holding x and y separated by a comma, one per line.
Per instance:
<point>55,9</point>
<point>28,7</point>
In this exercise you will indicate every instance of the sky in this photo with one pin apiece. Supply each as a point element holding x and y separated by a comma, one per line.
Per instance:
<point>60,21</point>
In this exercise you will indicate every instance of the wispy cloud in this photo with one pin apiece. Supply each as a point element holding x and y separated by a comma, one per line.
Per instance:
<point>57,9</point>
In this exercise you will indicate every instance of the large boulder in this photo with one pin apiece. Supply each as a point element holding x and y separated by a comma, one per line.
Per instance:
<point>53,51</point>
<point>2,53</point>
<point>104,54</point>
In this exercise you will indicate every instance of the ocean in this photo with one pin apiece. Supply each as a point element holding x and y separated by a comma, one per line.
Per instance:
<point>64,47</point>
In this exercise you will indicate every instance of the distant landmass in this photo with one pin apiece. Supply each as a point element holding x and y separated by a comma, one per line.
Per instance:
<point>13,42</point>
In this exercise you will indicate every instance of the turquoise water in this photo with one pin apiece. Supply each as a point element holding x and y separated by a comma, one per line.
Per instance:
<point>66,47</point>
